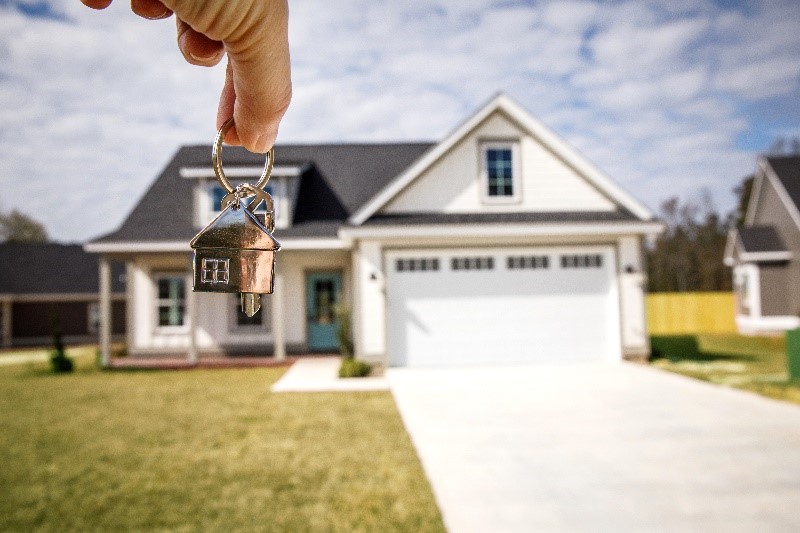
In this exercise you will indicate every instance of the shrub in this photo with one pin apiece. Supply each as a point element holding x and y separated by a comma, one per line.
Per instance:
<point>58,357</point>
<point>343,331</point>
<point>353,368</point>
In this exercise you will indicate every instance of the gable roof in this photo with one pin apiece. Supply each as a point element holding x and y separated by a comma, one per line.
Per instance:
<point>235,228</point>
<point>52,268</point>
<point>783,172</point>
<point>335,180</point>
<point>503,103</point>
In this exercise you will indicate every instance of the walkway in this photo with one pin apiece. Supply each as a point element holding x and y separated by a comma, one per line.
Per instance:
<point>600,448</point>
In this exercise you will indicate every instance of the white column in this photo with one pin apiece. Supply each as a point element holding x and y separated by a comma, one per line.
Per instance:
<point>191,304</point>
<point>6,325</point>
<point>278,319</point>
<point>105,311</point>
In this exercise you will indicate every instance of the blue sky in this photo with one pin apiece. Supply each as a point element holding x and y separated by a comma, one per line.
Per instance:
<point>669,98</point>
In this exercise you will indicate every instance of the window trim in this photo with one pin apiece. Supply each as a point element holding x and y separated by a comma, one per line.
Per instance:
<point>177,328</point>
<point>516,171</point>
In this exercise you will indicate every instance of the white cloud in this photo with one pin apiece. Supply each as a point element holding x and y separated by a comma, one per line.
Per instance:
<point>656,93</point>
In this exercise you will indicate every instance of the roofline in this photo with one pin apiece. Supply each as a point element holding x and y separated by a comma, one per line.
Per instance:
<point>501,230</point>
<point>783,194</point>
<point>311,243</point>
<point>763,257</point>
<point>548,138</point>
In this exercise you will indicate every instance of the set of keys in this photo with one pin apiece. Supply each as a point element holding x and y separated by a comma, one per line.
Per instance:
<point>236,251</point>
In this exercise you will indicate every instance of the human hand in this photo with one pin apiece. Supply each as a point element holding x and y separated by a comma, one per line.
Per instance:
<point>254,33</point>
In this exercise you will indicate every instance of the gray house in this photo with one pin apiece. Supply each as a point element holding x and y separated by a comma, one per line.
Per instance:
<point>765,252</point>
<point>46,283</point>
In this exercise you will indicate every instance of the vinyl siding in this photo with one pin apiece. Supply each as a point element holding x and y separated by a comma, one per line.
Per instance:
<point>453,184</point>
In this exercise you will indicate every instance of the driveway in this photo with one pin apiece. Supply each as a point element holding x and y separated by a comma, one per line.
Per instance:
<point>614,448</point>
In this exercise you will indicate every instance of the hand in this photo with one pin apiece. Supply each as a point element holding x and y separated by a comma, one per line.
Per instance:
<point>254,33</point>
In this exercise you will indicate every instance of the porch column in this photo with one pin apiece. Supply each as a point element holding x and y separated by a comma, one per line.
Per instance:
<point>191,304</point>
<point>278,320</point>
<point>105,311</point>
<point>6,325</point>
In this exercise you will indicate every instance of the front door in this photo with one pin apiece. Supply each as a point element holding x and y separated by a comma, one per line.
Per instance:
<point>323,290</point>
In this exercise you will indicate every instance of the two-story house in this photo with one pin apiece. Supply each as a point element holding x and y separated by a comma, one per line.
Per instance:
<point>498,244</point>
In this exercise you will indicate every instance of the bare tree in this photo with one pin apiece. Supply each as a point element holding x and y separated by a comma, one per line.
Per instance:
<point>18,227</point>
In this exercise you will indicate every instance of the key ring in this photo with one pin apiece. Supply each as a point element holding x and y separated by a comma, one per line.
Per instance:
<point>216,161</point>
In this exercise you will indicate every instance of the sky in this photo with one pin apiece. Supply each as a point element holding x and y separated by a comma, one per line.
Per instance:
<point>668,98</point>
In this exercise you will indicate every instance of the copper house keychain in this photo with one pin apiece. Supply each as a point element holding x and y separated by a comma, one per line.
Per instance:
<point>236,251</point>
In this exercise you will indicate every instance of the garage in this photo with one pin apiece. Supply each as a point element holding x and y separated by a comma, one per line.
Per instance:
<point>502,305</point>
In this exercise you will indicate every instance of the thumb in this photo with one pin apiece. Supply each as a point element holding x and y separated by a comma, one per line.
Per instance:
<point>258,85</point>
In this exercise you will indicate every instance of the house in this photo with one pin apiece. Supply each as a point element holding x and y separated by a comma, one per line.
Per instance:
<point>765,252</point>
<point>498,244</point>
<point>44,285</point>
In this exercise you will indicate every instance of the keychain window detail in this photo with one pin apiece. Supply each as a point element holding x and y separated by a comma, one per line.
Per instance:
<point>215,270</point>
<point>472,263</point>
<point>417,265</point>
<point>528,262</point>
<point>582,261</point>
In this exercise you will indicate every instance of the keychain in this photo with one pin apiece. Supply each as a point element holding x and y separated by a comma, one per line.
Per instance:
<point>236,251</point>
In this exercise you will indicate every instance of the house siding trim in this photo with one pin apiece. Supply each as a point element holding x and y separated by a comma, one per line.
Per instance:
<point>504,104</point>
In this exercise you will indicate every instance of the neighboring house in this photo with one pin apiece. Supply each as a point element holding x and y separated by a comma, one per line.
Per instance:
<point>499,244</point>
<point>765,251</point>
<point>44,285</point>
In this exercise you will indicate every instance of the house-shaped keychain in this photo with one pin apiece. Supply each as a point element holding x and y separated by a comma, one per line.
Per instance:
<point>234,253</point>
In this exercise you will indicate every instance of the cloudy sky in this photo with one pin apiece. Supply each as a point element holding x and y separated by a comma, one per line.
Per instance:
<point>669,98</point>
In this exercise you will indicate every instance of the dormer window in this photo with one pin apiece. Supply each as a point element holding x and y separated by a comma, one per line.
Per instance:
<point>500,176</point>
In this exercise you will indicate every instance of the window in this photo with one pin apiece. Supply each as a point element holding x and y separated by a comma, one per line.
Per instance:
<point>472,263</point>
<point>582,261</point>
<point>500,164</point>
<point>215,270</point>
<point>170,300</point>
<point>218,193</point>
<point>242,320</point>
<point>528,262</point>
<point>417,265</point>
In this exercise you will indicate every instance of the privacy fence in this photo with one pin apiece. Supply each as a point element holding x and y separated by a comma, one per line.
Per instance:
<point>676,313</point>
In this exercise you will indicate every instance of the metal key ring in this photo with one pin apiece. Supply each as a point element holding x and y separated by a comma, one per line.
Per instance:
<point>216,160</point>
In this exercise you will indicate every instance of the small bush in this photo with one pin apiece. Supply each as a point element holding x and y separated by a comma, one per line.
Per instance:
<point>58,358</point>
<point>353,368</point>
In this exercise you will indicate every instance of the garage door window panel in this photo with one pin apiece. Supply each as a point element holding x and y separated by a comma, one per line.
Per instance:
<point>472,263</point>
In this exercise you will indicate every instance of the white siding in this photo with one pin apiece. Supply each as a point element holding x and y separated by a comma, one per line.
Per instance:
<point>452,184</point>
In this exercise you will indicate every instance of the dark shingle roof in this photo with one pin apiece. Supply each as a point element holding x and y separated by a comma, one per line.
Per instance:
<point>489,218</point>
<point>29,268</point>
<point>787,168</point>
<point>337,179</point>
<point>761,239</point>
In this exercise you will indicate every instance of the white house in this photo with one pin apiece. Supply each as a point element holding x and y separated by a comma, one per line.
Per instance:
<point>498,244</point>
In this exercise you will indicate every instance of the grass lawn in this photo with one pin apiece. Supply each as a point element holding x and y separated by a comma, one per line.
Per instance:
<point>756,364</point>
<point>201,450</point>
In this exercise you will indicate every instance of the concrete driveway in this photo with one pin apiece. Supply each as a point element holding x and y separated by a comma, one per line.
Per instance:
<point>600,448</point>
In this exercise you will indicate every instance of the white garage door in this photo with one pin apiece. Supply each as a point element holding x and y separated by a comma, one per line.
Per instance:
<point>479,306</point>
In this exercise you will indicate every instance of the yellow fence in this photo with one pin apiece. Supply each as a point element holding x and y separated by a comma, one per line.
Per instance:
<point>676,313</point>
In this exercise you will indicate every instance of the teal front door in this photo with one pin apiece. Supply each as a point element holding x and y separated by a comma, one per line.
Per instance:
<point>323,290</point>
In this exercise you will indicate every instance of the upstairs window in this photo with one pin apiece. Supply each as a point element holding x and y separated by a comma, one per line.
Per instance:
<point>500,172</point>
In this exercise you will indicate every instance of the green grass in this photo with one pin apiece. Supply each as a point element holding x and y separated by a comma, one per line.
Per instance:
<point>756,364</point>
<point>201,450</point>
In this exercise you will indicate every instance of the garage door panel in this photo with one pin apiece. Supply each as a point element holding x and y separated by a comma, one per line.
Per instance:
<point>501,315</point>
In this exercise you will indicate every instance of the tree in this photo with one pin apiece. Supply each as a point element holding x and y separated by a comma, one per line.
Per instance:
<point>688,255</point>
<point>18,227</point>
<point>743,192</point>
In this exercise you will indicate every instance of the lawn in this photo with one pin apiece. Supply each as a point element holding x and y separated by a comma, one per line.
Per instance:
<point>201,450</point>
<point>756,364</point>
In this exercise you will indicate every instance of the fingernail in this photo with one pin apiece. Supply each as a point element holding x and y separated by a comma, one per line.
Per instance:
<point>262,144</point>
<point>163,15</point>
<point>213,56</point>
